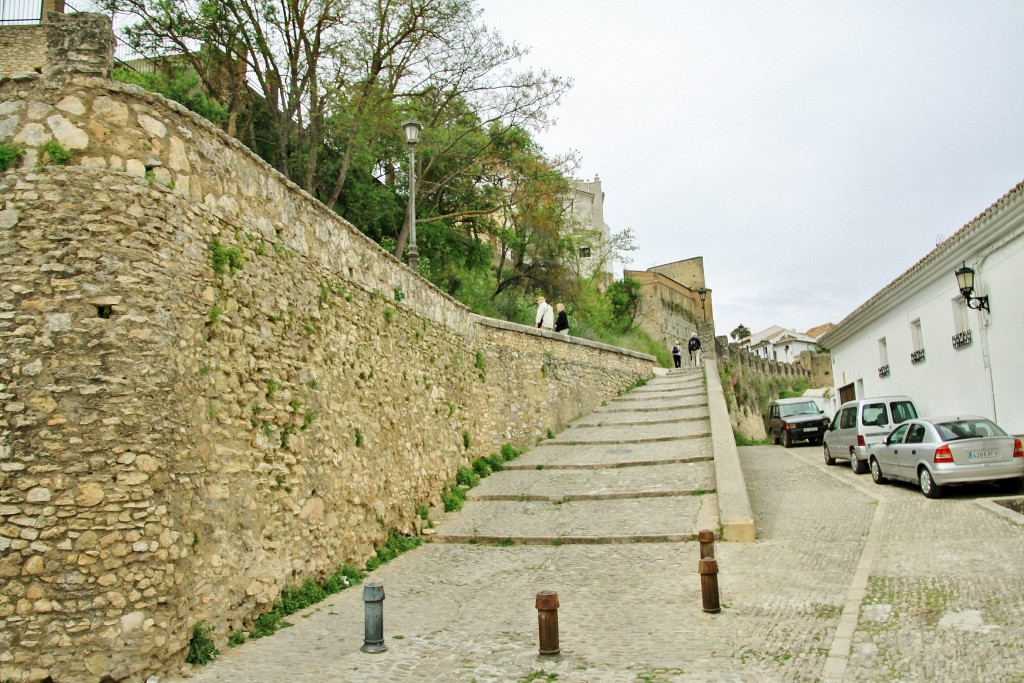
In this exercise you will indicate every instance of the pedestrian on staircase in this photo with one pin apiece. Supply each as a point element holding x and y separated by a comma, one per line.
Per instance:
<point>677,355</point>
<point>694,347</point>
<point>545,315</point>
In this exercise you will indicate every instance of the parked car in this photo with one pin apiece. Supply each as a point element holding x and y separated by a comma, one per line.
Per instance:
<point>861,423</point>
<point>794,419</point>
<point>936,452</point>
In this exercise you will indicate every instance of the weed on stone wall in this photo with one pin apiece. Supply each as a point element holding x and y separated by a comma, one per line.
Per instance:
<point>225,258</point>
<point>201,649</point>
<point>10,154</point>
<point>466,477</point>
<point>52,153</point>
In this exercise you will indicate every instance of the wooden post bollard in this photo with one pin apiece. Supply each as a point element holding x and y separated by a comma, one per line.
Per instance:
<point>707,543</point>
<point>708,569</point>
<point>547,621</point>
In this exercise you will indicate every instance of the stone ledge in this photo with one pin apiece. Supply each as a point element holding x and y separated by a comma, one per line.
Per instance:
<point>516,327</point>
<point>735,514</point>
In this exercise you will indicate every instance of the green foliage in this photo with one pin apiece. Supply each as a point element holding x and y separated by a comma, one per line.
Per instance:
<point>201,649</point>
<point>359,439</point>
<point>52,153</point>
<point>293,599</point>
<point>399,293</point>
<point>307,419</point>
<point>236,638</point>
<point>481,467</point>
<point>272,387</point>
<point>453,498</point>
<point>215,312</point>
<point>495,462</point>
<point>467,442</point>
<point>222,257</point>
<point>467,476</point>
<point>175,83</point>
<point>624,296</point>
<point>550,434</point>
<point>10,154</point>
<point>389,314</point>
<point>509,452</point>
<point>481,362</point>
<point>422,512</point>
<point>395,545</point>
<point>744,441</point>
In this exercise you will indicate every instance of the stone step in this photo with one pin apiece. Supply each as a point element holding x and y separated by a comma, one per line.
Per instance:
<point>595,456</point>
<point>629,520</point>
<point>693,477</point>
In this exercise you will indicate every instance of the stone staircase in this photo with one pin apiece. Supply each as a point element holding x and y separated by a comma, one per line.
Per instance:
<point>638,470</point>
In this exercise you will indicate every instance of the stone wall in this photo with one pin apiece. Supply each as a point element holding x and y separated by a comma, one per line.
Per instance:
<point>22,49</point>
<point>750,382</point>
<point>212,387</point>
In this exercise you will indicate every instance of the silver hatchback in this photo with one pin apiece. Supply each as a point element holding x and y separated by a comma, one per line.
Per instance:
<point>936,452</point>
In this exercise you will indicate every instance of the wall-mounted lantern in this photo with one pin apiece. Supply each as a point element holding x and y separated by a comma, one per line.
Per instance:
<point>965,281</point>
<point>703,294</point>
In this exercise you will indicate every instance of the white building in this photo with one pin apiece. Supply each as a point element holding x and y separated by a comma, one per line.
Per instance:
<point>917,336</point>
<point>778,343</point>
<point>586,204</point>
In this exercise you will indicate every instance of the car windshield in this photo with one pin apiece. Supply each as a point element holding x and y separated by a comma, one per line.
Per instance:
<point>805,408</point>
<point>954,430</point>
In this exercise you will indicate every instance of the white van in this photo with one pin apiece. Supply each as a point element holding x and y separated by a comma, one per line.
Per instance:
<point>857,425</point>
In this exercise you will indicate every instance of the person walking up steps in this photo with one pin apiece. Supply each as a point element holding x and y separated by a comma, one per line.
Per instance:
<point>677,355</point>
<point>694,348</point>
<point>545,315</point>
<point>562,320</point>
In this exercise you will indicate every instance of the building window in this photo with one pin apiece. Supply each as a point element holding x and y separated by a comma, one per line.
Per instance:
<point>883,358</point>
<point>961,326</point>
<point>916,337</point>
<point>584,252</point>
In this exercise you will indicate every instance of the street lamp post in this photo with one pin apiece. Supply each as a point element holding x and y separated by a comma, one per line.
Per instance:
<point>703,294</point>
<point>412,136</point>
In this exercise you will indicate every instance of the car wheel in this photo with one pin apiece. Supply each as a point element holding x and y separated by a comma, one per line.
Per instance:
<point>928,486</point>
<point>829,460</point>
<point>786,440</point>
<point>857,465</point>
<point>876,472</point>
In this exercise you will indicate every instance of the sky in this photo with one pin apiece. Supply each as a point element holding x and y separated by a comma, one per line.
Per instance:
<point>810,151</point>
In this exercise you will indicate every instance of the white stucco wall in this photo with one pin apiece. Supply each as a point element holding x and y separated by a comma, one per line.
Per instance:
<point>985,377</point>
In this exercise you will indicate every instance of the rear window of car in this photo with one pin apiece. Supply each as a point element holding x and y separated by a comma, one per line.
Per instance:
<point>874,415</point>
<point>955,430</point>
<point>902,411</point>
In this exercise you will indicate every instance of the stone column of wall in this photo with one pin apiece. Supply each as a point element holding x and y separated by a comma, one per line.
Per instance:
<point>79,45</point>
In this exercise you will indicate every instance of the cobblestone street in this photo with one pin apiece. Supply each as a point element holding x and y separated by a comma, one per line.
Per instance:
<point>847,581</point>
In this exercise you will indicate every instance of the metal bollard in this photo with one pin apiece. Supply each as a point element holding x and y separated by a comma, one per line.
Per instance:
<point>373,628</point>
<point>707,543</point>
<point>547,620</point>
<point>708,569</point>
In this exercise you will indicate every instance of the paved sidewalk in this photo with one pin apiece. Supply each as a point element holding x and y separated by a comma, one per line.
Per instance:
<point>848,581</point>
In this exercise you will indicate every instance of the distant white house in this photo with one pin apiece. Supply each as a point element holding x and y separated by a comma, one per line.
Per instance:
<point>779,344</point>
<point>918,335</point>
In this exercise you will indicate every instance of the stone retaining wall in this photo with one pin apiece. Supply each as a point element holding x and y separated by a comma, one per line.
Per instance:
<point>178,443</point>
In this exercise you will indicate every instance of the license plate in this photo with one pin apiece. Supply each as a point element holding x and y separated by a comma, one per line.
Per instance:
<point>982,455</point>
<point>810,429</point>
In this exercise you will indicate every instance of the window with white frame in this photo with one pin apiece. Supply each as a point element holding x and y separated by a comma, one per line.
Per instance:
<point>961,323</point>
<point>917,338</point>
<point>883,358</point>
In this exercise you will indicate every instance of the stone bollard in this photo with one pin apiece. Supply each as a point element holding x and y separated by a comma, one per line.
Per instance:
<point>707,543</point>
<point>373,627</point>
<point>547,620</point>
<point>708,569</point>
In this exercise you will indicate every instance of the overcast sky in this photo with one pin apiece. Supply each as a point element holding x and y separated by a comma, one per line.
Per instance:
<point>810,151</point>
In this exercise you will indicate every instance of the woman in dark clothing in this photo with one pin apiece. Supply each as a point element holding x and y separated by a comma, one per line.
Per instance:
<point>562,321</point>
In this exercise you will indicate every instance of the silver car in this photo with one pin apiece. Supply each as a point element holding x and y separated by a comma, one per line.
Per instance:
<point>936,452</point>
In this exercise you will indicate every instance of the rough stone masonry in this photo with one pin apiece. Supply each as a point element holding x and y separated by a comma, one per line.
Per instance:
<point>211,386</point>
